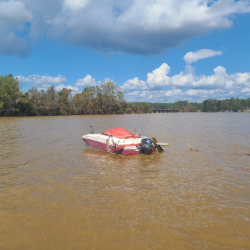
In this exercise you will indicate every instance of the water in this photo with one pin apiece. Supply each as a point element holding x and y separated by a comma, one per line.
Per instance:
<point>56,193</point>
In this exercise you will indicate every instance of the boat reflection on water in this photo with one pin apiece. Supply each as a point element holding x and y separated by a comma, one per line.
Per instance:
<point>124,173</point>
<point>140,162</point>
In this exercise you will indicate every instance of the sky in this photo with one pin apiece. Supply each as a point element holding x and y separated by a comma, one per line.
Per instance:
<point>155,50</point>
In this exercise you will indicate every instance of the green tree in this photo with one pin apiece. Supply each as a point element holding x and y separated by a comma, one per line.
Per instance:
<point>25,106</point>
<point>210,105</point>
<point>64,98</point>
<point>9,94</point>
<point>111,94</point>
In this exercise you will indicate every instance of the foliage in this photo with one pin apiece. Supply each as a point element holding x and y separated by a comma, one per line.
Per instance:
<point>183,106</point>
<point>139,107</point>
<point>9,94</point>
<point>106,99</point>
<point>231,104</point>
<point>45,102</point>
<point>25,106</point>
<point>210,105</point>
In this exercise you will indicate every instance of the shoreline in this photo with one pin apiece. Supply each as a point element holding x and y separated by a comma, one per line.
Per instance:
<point>2,116</point>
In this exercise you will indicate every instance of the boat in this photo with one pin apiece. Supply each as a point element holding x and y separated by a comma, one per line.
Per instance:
<point>120,141</point>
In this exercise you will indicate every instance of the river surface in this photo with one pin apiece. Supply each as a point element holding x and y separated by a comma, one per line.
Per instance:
<point>56,193</point>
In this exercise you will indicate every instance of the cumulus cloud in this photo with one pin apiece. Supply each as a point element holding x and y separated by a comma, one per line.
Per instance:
<point>42,80</point>
<point>132,26</point>
<point>174,94</point>
<point>134,84</point>
<point>187,85</point>
<point>88,80</point>
<point>191,57</point>
<point>159,79</point>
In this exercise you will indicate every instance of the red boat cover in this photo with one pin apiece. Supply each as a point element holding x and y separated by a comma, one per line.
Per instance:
<point>121,133</point>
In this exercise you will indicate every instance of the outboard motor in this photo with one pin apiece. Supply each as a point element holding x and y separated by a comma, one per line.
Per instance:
<point>146,146</point>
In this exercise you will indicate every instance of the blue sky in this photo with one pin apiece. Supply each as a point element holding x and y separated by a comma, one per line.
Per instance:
<point>157,51</point>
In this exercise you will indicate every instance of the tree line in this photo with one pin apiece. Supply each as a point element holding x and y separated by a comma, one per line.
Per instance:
<point>232,104</point>
<point>104,99</point>
<point>183,106</point>
<point>209,105</point>
<point>107,98</point>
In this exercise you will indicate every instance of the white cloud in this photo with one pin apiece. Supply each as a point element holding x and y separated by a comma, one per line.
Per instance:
<point>131,26</point>
<point>158,78</point>
<point>246,90</point>
<point>106,80</point>
<point>191,57</point>
<point>62,86</point>
<point>88,80</point>
<point>75,5</point>
<point>187,85</point>
<point>173,95</point>
<point>133,84</point>
<point>42,80</point>
<point>45,81</point>
<point>142,27</point>
<point>13,16</point>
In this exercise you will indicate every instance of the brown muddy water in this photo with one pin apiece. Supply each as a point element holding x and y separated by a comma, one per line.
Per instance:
<point>56,193</point>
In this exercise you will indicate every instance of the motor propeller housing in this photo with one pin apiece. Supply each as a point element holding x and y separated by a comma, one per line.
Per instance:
<point>146,146</point>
